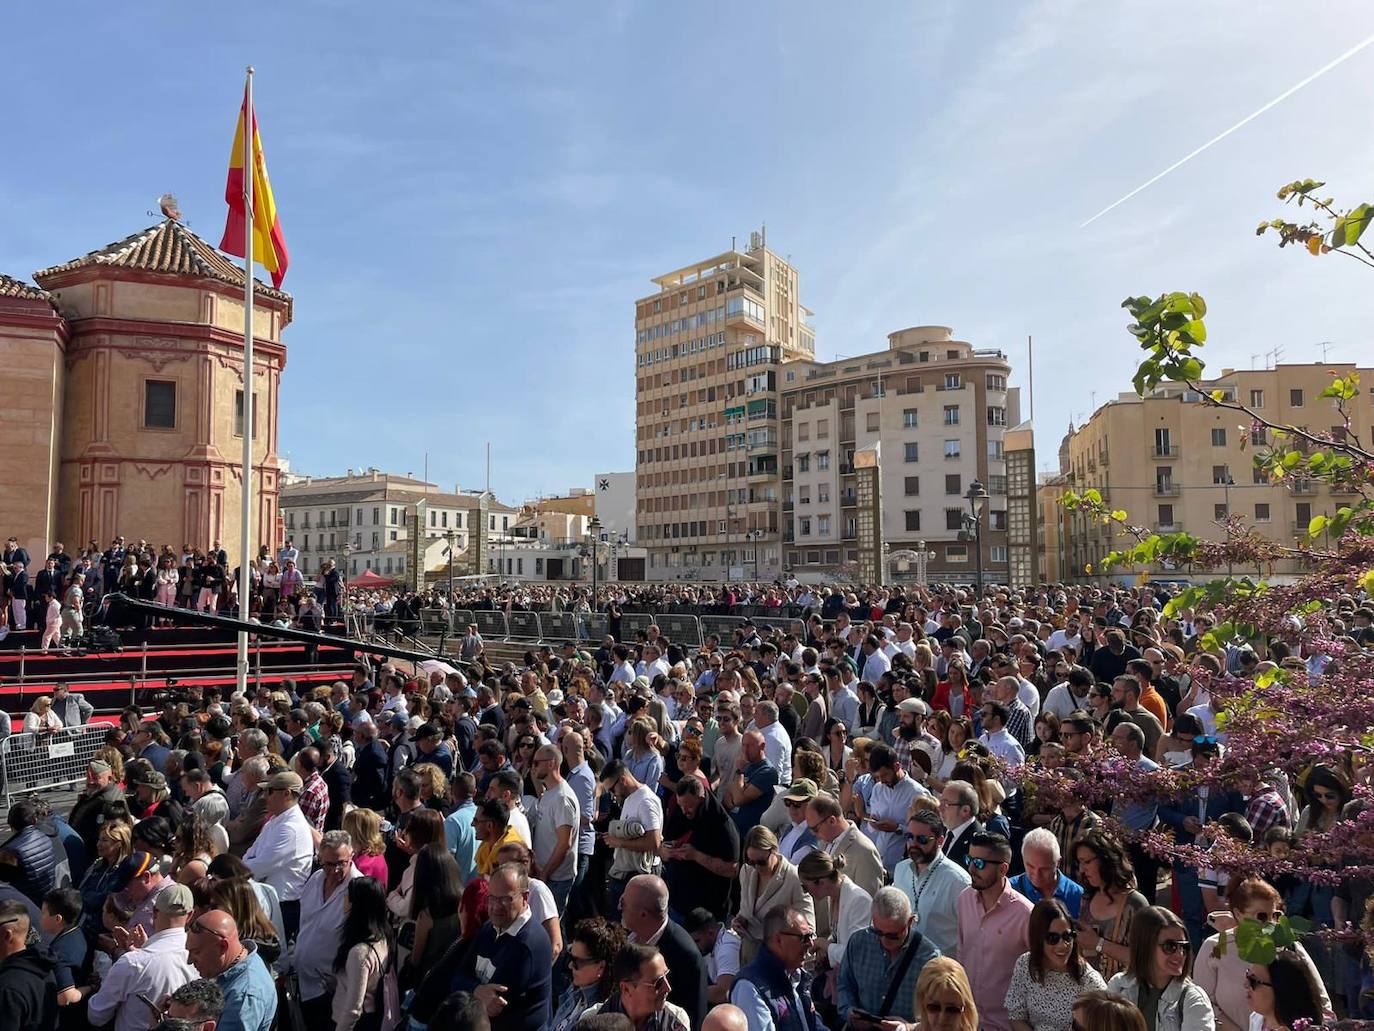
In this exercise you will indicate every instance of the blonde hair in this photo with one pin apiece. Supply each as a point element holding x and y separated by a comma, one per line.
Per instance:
<point>365,827</point>
<point>115,758</point>
<point>945,975</point>
<point>122,834</point>
<point>41,704</point>
<point>761,838</point>
<point>433,778</point>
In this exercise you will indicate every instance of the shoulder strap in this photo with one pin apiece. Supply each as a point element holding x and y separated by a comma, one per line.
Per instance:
<point>897,975</point>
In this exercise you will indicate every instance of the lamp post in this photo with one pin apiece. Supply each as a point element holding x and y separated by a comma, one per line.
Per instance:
<point>886,572</point>
<point>343,584</point>
<point>977,498</point>
<point>1226,486</point>
<point>594,528</point>
<point>922,558</point>
<point>449,537</point>
<point>754,536</point>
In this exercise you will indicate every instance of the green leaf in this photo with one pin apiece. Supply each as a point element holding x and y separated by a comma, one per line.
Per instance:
<point>1317,525</point>
<point>1119,515</point>
<point>1190,368</point>
<point>1355,223</point>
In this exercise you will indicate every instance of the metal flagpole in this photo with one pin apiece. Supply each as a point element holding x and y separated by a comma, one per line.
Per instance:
<point>246,512</point>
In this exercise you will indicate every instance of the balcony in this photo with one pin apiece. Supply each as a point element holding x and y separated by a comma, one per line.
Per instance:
<point>1171,527</point>
<point>1164,451</point>
<point>787,472</point>
<point>957,456</point>
<point>1166,490</point>
<point>846,468</point>
<point>788,506</point>
<point>1302,488</point>
<point>848,498</point>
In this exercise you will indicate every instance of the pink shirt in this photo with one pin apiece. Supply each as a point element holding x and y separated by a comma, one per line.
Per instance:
<point>989,945</point>
<point>372,866</point>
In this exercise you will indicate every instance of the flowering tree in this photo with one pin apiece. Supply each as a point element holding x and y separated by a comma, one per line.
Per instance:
<point>1283,719</point>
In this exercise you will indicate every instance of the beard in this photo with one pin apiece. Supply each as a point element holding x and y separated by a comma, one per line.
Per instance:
<point>907,733</point>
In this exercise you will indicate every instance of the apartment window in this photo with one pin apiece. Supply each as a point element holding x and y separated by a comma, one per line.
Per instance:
<point>996,381</point>
<point>823,494</point>
<point>822,460</point>
<point>997,416</point>
<point>805,527</point>
<point>912,486</point>
<point>822,429</point>
<point>909,418</point>
<point>1221,475</point>
<point>913,520</point>
<point>1163,446</point>
<point>1164,477</point>
<point>1261,512</point>
<point>953,381</point>
<point>804,496</point>
<point>954,519</point>
<point>951,415</point>
<point>1220,511</point>
<point>1258,475</point>
<point>803,431</point>
<point>238,414</point>
<point>995,450</point>
<point>1166,515</point>
<point>1304,514</point>
<point>952,449</point>
<point>159,404</point>
<point>804,463</point>
<point>956,553</point>
<point>872,422</point>
<point>1218,436</point>
<point>360,517</point>
<point>375,539</point>
<point>911,451</point>
<point>823,525</point>
<point>998,553</point>
<point>954,483</point>
<point>1295,398</point>
<point>1259,436</point>
<point>433,518</point>
<point>393,535</point>
<point>1257,399</point>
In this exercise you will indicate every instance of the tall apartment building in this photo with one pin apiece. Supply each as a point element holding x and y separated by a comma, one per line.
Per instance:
<point>1175,463</point>
<point>939,411</point>
<point>710,346</point>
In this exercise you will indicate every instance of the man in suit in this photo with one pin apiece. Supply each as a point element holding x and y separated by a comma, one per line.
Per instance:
<point>1186,815</point>
<point>959,808</point>
<point>17,588</point>
<point>48,581</point>
<point>863,864</point>
<point>644,913</point>
<point>338,779</point>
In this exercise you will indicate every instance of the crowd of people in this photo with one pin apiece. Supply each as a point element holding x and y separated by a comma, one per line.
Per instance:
<point>786,831</point>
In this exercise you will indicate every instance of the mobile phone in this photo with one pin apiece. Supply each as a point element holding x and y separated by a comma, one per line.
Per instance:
<point>864,1015</point>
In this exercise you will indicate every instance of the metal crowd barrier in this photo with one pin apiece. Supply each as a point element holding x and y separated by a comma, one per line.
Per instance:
<point>36,762</point>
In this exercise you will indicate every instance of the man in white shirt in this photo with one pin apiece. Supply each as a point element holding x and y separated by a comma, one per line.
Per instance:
<point>890,801</point>
<point>1068,636</point>
<point>558,819</point>
<point>322,920</point>
<point>904,643</point>
<point>844,703</point>
<point>1072,694</point>
<point>777,746</point>
<point>154,969</point>
<point>285,847</point>
<point>652,664</point>
<point>1000,743</point>
<point>875,663</point>
<point>931,880</point>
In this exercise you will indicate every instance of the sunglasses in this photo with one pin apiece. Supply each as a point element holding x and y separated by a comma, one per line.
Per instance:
<point>198,927</point>
<point>1060,937</point>
<point>760,863</point>
<point>892,936</point>
<point>658,984</point>
<point>806,936</point>
<point>1173,947</point>
<point>1254,982</point>
<point>1204,739</point>
<point>979,863</point>
<point>920,839</point>
<point>581,961</point>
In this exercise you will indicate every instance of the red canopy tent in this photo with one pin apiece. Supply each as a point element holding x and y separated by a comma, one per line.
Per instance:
<point>370,578</point>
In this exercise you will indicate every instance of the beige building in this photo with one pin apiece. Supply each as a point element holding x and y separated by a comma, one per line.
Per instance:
<point>1174,463</point>
<point>710,346</point>
<point>121,403</point>
<point>940,413</point>
<point>362,520</point>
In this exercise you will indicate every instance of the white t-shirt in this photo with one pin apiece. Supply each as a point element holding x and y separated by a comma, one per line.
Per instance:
<point>556,808</point>
<point>724,957</point>
<point>643,807</point>
<point>542,905</point>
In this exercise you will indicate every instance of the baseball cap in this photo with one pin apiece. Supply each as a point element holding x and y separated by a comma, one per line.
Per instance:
<point>174,900</point>
<point>136,865</point>
<point>802,789</point>
<point>285,780</point>
<point>399,722</point>
<point>98,766</point>
<point>913,705</point>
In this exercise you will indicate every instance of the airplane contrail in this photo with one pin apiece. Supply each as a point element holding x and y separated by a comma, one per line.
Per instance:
<point>1242,123</point>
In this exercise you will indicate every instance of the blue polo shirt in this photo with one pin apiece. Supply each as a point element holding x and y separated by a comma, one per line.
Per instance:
<point>1066,891</point>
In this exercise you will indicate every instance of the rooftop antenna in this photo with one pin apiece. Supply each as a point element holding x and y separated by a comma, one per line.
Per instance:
<point>1326,346</point>
<point>1253,358</point>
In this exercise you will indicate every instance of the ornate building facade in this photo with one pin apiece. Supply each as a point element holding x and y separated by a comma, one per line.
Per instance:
<point>122,410</point>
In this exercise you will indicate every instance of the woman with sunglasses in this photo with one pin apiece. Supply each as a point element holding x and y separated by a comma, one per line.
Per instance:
<point>1100,702</point>
<point>767,880</point>
<point>1283,992</point>
<point>1220,970</point>
<point>1156,975</point>
<point>837,750</point>
<point>591,952</point>
<point>1048,978</point>
<point>944,998</point>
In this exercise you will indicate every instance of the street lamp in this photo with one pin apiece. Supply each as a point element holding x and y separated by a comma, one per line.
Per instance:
<point>977,499</point>
<point>1226,485</point>
<point>343,584</point>
<point>449,537</point>
<point>594,528</point>
<point>754,536</point>
<point>922,557</point>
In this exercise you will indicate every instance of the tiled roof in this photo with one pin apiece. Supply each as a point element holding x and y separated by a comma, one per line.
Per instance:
<point>11,287</point>
<point>166,247</point>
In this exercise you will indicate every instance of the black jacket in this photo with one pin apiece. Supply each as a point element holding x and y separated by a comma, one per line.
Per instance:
<point>958,849</point>
<point>369,777</point>
<point>686,972</point>
<point>28,991</point>
<point>339,780</point>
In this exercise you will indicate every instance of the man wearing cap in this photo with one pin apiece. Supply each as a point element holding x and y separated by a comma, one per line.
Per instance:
<point>910,734</point>
<point>429,740</point>
<point>100,794</point>
<point>285,849</point>
<point>154,969</point>
<point>141,874</point>
<point>798,839</point>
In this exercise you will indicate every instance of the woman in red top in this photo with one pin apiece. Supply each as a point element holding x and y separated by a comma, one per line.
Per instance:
<point>956,684</point>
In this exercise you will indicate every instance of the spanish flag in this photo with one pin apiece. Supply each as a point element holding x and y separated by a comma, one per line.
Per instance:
<point>269,245</point>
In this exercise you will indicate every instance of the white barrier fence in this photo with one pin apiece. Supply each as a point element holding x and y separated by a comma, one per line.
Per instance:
<point>36,762</point>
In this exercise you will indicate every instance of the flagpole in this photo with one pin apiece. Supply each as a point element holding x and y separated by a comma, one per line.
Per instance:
<point>246,512</point>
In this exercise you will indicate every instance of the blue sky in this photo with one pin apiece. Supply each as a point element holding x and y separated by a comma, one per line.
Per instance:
<point>474,193</point>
